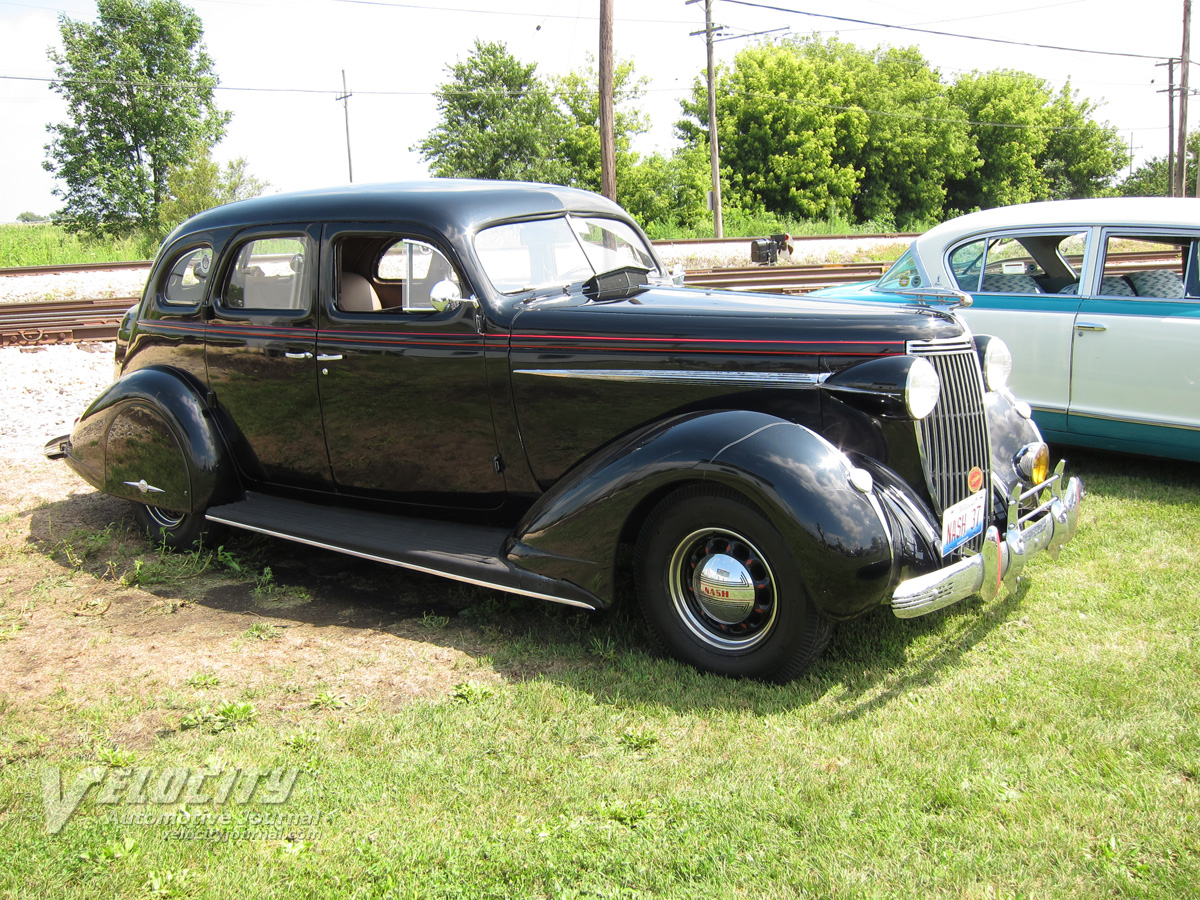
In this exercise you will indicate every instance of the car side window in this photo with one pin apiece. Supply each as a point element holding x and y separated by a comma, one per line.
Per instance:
<point>966,264</point>
<point>186,278</point>
<point>1158,267</point>
<point>267,274</point>
<point>394,274</point>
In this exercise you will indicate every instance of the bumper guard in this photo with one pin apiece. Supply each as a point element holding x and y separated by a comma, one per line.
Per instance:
<point>1001,560</point>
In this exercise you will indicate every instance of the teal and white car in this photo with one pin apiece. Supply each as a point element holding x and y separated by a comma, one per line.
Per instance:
<point>1098,301</point>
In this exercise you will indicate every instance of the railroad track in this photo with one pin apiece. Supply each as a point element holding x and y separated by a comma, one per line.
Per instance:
<point>61,322</point>
<point>784,279</point>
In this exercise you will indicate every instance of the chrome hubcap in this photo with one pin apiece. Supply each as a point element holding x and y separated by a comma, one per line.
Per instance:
<point>723,589</point>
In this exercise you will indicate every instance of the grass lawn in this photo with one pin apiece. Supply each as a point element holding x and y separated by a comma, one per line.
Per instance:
<point>1043,745</point>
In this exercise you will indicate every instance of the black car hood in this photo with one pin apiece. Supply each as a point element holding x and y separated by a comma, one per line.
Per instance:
<point>674,320</point>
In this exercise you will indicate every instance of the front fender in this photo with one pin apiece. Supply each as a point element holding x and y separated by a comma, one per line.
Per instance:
<point>150,437</point>
<point>798,479</point>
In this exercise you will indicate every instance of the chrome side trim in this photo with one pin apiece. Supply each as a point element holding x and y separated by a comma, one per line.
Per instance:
<point>758,379</point>
<point>403,565</point>
<point>1128,421</point>
<point>1001,558</point>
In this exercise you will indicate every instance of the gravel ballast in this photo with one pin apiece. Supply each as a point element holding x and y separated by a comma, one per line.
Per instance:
<point>44,389</point>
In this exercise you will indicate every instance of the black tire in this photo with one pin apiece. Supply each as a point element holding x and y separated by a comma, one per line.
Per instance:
<point>174,530</point>
<point>756,623</point>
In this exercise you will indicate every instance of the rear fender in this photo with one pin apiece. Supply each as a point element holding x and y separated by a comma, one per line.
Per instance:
<point>798,479</point>
<point>151,437</point>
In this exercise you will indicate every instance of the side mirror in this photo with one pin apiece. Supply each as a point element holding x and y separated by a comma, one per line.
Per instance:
<point>444,294</point>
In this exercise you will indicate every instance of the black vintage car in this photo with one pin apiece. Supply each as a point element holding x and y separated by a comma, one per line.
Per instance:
<point>499,383</point>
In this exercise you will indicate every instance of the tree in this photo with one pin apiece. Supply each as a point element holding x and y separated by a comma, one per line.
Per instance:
<point>777,125</point>
<point>579,95</point>
<point>1033,145</point>
<point>32,218</point>
<point>669,192</point>
<point>498,121</point>
<point>901,134</point>
<point>1150,179</point>
<point>201,184</point>
<point>139,86</point>
<point>1082,156</point>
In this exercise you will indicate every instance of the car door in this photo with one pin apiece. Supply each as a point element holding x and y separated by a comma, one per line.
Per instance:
<point>1024,290</point>
<point>260,352</point>
<point>1136,354</point>
<point>404,388</point>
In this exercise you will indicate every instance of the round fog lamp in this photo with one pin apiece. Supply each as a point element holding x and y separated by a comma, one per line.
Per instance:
<point>1033,462</point>
<point>922,389</point>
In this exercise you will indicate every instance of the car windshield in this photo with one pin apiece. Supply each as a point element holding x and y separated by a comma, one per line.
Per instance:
<point>523,256</point>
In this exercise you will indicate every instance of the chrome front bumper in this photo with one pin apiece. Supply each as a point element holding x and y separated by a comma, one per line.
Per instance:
<point>1002,558</point>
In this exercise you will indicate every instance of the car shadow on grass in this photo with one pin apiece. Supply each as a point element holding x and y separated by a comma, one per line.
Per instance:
<point>870,663</point>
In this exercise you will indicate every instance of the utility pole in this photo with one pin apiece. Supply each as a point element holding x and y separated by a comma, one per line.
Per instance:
<point>1170,92</point>
<point>608,145</point>
<point>1181,156</point>
<point>714,149</point>
<point>345,100</point>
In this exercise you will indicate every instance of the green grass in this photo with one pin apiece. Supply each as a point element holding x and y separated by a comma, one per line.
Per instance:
<point>1043,745</point>
<point>47,245</point>
<point>740,224</point>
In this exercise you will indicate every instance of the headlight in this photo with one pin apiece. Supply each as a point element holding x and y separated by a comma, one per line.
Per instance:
<point>922,389</point>
<point>997,362</point>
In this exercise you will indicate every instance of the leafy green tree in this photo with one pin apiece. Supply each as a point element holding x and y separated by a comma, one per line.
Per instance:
<point>1007,128</point>
<point>668,192</point>
<point>579,95</point>
<point>201,184</point>
<point>139,87</point>
<point>900,133</point>
<point>1151,179</point>
<point>1032,144</point>
<point>1082,156</point>
<point>32,218</point>
<point>498,121</point>
<point>778,123</point>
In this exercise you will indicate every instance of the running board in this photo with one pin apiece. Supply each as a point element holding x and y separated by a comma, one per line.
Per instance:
<point>470,553</point>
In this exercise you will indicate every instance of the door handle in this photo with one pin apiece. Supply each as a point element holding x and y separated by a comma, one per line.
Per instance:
<point>304,355</point>
<point>328,357</point>
<point>1090,326</point>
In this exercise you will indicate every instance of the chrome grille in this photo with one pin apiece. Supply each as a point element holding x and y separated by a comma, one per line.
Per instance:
<point>954,437</point>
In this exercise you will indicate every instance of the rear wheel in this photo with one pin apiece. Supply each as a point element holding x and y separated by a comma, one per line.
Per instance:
<point>175,530</point>
<point>720,590</point>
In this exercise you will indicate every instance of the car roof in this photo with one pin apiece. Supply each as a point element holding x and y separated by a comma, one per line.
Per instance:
<point>442,203</point>
<point>1122,211</point>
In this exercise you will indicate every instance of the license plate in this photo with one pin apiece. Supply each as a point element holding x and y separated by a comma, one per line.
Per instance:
<point>963,521</point>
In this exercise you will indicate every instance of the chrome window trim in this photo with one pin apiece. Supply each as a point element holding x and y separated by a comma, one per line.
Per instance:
<point>759,379</point>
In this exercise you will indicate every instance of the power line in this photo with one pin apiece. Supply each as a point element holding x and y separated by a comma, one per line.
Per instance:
<point>935,32</point>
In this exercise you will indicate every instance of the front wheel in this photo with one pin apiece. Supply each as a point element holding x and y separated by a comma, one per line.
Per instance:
<point>174,530</point>
<point>720,590</point>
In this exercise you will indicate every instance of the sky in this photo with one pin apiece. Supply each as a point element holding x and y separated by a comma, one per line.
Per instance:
<point>280,63</point>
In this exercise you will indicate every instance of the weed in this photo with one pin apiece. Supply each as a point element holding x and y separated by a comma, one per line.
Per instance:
<point>103,857</point>
<point>637,741</point>
<point>471,692</point>
<point>262,631</point>
<point>168,884</point>
<point>203,680</point>
<point>430,620</point>
<point>227,716</point>
<point>326,700</point>
<point>115,758</point>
